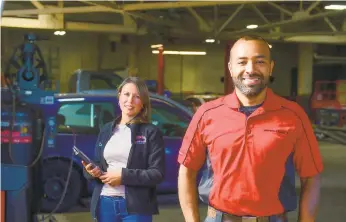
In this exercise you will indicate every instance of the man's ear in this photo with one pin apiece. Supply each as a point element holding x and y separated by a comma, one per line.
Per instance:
<point>230,68</point>
<point>271,66</point>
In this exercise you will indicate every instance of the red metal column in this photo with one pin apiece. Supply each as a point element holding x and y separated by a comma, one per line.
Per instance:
<point>3,209</point>
<point>160,72</point>
<point>228,83</point>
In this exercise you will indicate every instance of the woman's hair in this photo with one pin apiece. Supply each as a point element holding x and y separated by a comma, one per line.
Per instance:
<point>144,115</point>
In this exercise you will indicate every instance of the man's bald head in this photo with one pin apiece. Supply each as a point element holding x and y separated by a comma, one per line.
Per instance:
<point>251,38</point>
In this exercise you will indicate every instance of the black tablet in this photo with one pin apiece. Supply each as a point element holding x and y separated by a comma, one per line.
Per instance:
<point>83,156</point>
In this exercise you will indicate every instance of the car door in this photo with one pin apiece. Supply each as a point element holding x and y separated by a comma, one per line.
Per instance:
<point>173,122</point>
<point>79,123</point>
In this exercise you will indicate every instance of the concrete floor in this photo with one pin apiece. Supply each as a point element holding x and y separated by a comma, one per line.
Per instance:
<point>333,194</point>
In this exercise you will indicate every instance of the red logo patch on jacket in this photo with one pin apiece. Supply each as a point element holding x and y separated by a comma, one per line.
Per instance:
<point>141,140</point>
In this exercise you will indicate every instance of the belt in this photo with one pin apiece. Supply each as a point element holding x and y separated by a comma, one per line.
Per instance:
<point>233,218</point>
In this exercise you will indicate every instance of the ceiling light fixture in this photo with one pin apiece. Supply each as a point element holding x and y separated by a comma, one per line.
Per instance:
<point>59,33</point>
<point>335,7</point>
<point>270,46</point>
<point>156,46</point>
<point>179,52</point>
<point>210,40</point>
<point>251,26</point>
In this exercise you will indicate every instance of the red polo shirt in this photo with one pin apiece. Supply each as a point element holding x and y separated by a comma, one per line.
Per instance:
<point>248,155</point>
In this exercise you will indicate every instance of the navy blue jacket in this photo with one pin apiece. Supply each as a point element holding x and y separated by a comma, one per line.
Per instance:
<point>145,168</point>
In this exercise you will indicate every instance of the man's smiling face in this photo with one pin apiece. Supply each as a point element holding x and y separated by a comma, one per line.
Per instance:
<point>250,66</point>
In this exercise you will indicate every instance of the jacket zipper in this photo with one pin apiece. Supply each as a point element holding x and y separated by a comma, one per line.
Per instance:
<point>128,164</point>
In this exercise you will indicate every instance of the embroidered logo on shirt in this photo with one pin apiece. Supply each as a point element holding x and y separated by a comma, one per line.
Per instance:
<point>141,140</point>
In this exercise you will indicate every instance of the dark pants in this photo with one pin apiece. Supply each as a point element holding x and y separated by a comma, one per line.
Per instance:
<point>113,209</point>
<point>218,216</point>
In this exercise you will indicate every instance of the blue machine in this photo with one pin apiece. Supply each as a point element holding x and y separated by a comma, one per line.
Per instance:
<point>22,125</point>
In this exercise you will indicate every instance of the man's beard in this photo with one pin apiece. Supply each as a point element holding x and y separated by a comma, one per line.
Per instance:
<point>250,90</point>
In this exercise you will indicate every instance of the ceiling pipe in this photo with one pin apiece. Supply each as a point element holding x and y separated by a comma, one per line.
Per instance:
<point>329,58</point>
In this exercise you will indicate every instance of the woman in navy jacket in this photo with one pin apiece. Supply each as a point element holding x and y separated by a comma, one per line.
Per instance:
<point>130,160</point>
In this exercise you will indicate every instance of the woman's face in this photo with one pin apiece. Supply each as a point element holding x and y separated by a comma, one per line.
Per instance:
<point>129,100</point>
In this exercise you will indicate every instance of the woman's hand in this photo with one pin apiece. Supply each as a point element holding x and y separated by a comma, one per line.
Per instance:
<point>112,178</point>
<point>92,170</point>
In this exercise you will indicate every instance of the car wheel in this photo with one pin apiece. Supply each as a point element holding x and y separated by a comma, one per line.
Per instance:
<point>54,178</point>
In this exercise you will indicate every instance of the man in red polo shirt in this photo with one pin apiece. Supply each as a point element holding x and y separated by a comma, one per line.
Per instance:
<point>251,136</point>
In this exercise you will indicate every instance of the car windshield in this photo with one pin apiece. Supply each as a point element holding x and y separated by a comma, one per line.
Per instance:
<point>170,119</point>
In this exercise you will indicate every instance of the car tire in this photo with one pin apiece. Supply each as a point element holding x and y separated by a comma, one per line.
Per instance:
<point>54,178</point>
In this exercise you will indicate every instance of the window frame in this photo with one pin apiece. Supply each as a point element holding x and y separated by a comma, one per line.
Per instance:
<point>81,129</point>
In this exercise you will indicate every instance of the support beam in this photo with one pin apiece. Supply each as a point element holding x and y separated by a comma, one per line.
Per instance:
<point>37,4</point>
<point>216,18</point>
<point>107,28</point>
<point>313,5</point>
<point>325,39</point>
<point>280,8</point>
<point>75,26</point>
<point>203,25</point>
<point>128,20</point>
<point>230,19</point>
<point>301,5</point>
<point>95,7</point>
<point>152,19</point>
<point>60,16</point>
<point>137,15</point>
<point>292,21</point>
<point>288,36</point>
<point>126,7</point>
<point>66,10</point>
<point>260,14</point>
<point>181,4</point>
<point>27,23</point>
<point>108,5</point>
<point>275,36</point>
<point>330,24</point>
<point>305,68</point>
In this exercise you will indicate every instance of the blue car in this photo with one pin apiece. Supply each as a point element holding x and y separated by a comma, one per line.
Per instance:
<point>79,118</point>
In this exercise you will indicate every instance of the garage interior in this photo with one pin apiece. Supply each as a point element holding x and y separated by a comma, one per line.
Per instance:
<point>147,38</point>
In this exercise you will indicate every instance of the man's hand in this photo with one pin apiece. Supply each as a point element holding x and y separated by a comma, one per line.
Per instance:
<point>112,178</point>
<point>309,198</point>
<point>187,191</point>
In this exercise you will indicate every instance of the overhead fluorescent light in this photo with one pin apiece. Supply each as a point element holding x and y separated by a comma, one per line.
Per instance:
<point>252,26</point>
<point>180,52</point>
<point>210,40</point>
<point>335,7</point>
<point>156,46</point>
<point>59,33</point>
<point>71,100</point>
